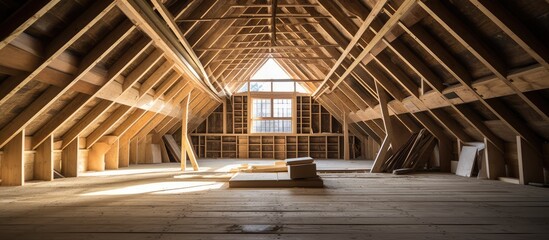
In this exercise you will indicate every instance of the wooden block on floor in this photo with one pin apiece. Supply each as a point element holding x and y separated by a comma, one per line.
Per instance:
<point>272,180</point>
<point>302,171</point>
<point>297,161</point>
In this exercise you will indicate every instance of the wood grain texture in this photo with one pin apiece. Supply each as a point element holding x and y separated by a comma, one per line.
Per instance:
<point>162,204</point>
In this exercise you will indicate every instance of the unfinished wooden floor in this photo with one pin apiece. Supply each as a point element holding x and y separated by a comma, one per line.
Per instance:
<point>158,202</point>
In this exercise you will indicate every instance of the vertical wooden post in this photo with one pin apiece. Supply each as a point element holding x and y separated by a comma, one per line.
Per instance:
<point>124,152</point>
<point>13,172</point>
<point>112,156</point>
<point>186,146</point>
<point>494,161</point>
<point>133,150</point>
<point>224,117</point>
<point>388,140</point>
<point>444,153</point>
<point>530,163</point>
<point>43,160</point>
<point>69,159</point>
<point>346,147</point>
<point>141,150</point>
<point>184,122</point>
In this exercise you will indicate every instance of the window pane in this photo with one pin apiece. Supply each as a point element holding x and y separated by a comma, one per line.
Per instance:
<point>261,107</point>
<point>260,86</point>
<point>300,89</point>
<point>283,86</point>
<point>272,126</point>
<point>282,107</point>
<point>244,88</point>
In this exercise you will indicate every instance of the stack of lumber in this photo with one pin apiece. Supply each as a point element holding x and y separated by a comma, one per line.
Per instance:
<point>301,168</point>
<point>278,166</point>
<point>412,155</point>
<point>173,149</point>
<point>293,172</point>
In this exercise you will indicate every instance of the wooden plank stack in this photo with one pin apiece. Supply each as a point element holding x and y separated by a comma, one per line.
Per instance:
<point>172,147</point>
<point>412,155</point>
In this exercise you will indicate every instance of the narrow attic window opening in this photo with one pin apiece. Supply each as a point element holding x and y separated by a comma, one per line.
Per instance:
<point>270,71</point>
<point>271,77</point>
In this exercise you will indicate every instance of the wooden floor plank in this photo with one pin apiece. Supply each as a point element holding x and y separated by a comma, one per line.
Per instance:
<point>158,202</point>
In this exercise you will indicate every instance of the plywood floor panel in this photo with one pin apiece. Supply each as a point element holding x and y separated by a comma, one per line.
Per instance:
<point>159,202</point>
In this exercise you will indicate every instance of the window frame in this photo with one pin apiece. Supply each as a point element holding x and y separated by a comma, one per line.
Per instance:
<point>271,98</point>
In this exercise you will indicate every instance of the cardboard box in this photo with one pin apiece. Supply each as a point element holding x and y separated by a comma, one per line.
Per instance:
<point>302,171</point>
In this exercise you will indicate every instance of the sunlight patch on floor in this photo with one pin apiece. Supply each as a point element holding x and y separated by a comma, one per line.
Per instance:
<point>160,188</point>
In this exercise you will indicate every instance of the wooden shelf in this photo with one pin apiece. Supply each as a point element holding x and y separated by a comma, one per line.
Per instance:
<point>318,134</point>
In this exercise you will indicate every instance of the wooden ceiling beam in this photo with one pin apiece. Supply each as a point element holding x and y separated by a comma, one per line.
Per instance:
<point>152,24</point>
<point>118,34</point>
<point>57,46</point>
<point>54,49</point>
<point>282,5</point>
<point>267,47</point>
<point>129,82</point>
<point>460,31</point>
<point>23,18</point>
<point>244,17</point>
<point>111,121</point>
<point>515,29</point>
<point>352,43</point>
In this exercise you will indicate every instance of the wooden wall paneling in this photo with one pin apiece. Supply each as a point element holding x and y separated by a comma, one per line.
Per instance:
<point>530,163</point>
<point>134,146</point>
<point>43,160</point>
<point>112,157</point>
<point>69,158</point>
<point>12,168</point>
<point>123,152</point>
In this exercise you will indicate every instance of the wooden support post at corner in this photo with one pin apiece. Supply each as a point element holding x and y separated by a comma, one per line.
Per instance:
<point>13,166</point>
<point>347,148</point>
<point>530,163</point>
<point>43,160</point>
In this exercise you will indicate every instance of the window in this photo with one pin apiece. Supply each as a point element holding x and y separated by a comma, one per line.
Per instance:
<point>271,115</point>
